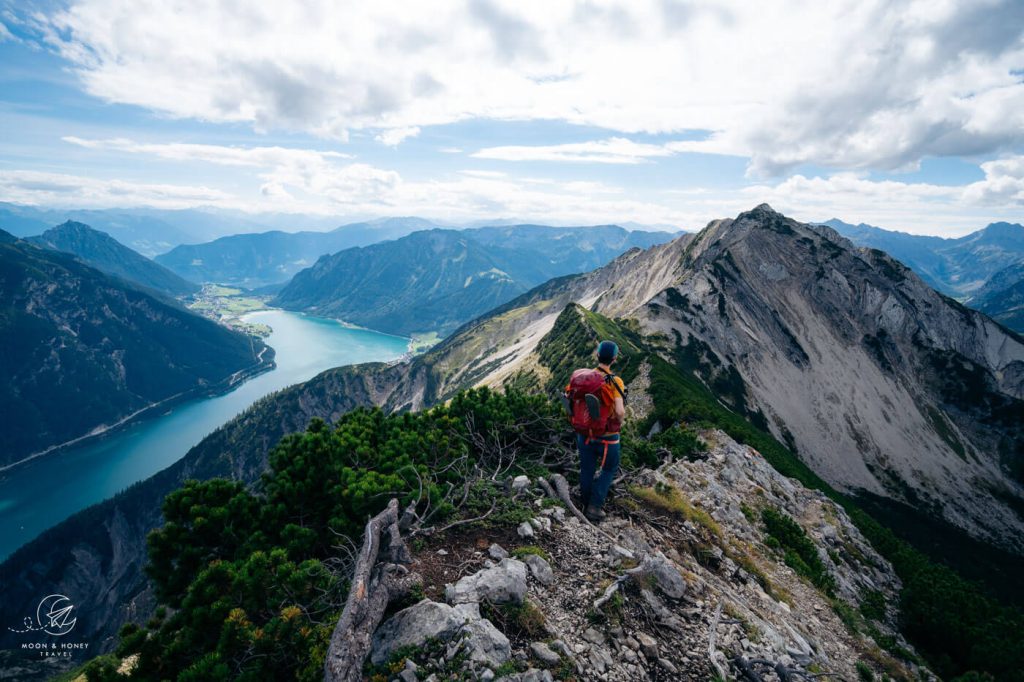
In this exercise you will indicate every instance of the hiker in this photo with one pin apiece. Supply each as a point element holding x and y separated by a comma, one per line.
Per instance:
<point>596,402</point>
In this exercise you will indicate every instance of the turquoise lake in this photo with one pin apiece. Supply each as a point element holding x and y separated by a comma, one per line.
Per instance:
<point>43,492</point>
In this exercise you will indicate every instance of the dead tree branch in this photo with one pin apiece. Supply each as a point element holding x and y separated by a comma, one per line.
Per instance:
<point>714,653</point>
<point>374,585</point>
<point>561,487</point>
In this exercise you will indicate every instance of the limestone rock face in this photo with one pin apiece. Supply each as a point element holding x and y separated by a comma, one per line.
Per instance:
<point>880,383</point>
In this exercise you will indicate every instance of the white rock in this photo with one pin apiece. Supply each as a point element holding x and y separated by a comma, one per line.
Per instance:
<point>503,583</point>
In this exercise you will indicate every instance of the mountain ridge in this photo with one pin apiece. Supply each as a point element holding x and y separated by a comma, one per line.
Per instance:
<point>1002,297</point>
<point>955,266</point>
<point>253,260</point>
<point>108,255</point>
<point>436,280</point>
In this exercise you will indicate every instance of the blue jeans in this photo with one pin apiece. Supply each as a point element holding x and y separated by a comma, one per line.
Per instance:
<point>591,454</point>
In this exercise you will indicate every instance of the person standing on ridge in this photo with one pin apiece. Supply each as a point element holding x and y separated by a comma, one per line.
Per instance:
<point>596,402</point>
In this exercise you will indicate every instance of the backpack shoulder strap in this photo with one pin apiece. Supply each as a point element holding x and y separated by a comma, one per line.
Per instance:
<point>610,378</point>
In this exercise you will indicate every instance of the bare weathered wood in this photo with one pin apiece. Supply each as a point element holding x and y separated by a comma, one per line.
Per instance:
<point>547,488</point>
<point>611,590</point>
<point>561,487</point>
<point>713,652</point>
<point>374,585</point>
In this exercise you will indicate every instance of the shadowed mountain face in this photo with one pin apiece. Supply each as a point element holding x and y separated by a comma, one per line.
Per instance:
<point>957,267</point>
<point>879,383</point>
<point>438,279</point>
<point>267,258</point>
<point>1002,297</point>
<point>80,350</point>
<point>106,254</point>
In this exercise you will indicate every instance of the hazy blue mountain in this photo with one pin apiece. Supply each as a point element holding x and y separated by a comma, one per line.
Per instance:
<point>80,349</point>
<point>105,253</point>
<point>1002,297</point>
<point>23,221</point>
<point>437,280</point>
<point>557,251</point>
<point>141,230</point>
<point>151,231</point>
<point>265,258</point>
<point>956,267</point>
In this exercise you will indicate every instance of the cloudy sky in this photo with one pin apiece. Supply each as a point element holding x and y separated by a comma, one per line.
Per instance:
<point>908,115</point>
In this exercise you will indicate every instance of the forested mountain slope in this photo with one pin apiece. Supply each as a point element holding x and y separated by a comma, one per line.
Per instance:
<point>80,350</point>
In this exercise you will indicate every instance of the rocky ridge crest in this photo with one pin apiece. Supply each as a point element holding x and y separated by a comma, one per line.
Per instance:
<point>651,594</point>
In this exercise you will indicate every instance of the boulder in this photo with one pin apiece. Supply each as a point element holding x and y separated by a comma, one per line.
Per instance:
<point>484,643</point>
<point>540,569</point>
<point>520,483</point>
<point>666,576</point>
<point>648,645</point>
<point>543,653</point>
<point>499,584</point>
<point>525,530</point>
<point>497,552</point>
<point>593,636</point>
<point>416,624</point>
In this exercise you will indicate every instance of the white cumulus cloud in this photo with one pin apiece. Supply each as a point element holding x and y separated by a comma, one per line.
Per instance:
<point>848,84</point>
<point>612,150</point>
<point>61,189</point>
<point>393,137</point>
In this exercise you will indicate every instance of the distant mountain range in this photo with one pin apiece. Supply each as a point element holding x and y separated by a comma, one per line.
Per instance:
<point>80,350</point>
<point>1002,297</point>
<point>956,267</point>
<point>151,231</point>
<point>105,253</point>
<point>266,258</point>
<point>436,280</point>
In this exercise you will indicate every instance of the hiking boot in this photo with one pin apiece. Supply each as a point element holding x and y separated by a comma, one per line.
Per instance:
<point>594,514</point>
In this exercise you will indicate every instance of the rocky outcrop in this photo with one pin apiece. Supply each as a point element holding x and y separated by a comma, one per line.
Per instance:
<point>460,627</point>
<point>499,584</point>
<point>683,581</point>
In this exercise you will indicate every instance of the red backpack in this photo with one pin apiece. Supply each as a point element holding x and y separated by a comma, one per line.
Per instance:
<point>595,418</point>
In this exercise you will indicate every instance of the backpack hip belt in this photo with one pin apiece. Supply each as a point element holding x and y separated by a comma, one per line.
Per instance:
<point>606,442</point>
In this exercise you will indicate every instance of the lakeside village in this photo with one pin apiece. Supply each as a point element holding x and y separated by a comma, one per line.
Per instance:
<point>227,305</point>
